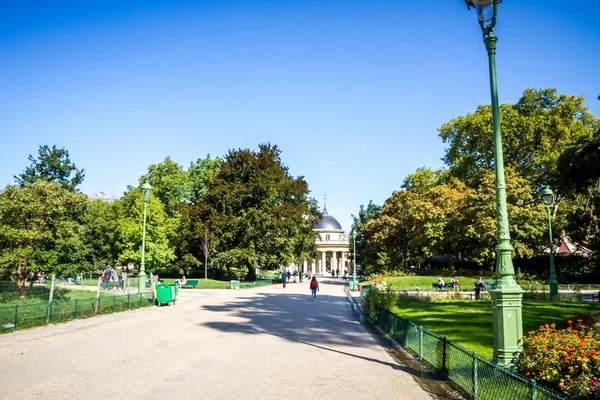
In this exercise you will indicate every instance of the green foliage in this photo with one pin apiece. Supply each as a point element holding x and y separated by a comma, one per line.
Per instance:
<point>363,252</point>
<point>256,212</point>
<point>160,229</point>
<point>169,183</point>
<point>200,174</point>
<point>42,230</point>
<point>535,131</point>
<point>579,165</point>
<point>52,165</point>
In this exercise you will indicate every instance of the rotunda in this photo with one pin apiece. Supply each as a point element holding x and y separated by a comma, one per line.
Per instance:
<point>333,247</point>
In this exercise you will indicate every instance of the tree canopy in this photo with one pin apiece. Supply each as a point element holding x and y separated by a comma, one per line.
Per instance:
<point>42,230</point>
<point>535,131</point>
<point>257,212</point>
<point>52,165</point>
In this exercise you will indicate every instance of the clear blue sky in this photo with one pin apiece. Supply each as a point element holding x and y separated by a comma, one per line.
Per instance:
<point>353,92</point>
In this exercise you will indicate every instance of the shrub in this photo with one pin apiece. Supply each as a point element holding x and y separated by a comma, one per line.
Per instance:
<point>566,359</point>
<point>374,298</point>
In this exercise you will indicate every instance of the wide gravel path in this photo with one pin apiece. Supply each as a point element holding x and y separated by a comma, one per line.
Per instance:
<point>265,343</point>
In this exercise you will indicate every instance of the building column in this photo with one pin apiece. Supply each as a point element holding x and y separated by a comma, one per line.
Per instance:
<point>344,262</point>
<point>305,266</point>
<point>312,267</point>
<point>334,263</point>
<point>323,262</point>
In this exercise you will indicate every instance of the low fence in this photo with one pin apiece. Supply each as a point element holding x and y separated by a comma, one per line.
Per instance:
<point>30,315</point>
<point>474,375</point>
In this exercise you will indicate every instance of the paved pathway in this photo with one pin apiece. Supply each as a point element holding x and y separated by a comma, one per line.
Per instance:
<point>265,343</point>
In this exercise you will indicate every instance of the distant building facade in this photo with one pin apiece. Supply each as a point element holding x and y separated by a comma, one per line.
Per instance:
<point>102,197</point>
<point>333,247</point>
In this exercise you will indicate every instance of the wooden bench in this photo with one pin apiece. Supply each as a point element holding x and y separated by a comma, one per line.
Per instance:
<point>596,297</point>
<point>447,285</point>
<point>190,283</point>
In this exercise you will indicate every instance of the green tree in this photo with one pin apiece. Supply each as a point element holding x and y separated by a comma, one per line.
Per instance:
<point>52,165</point>
<point>357,231</point>
<point>526,217</point>
<point>100,233</point>
<point>579,165</point>
<point>169,184</point>
<point>258,213</point>
<point>41,230</point>
<point>535,131</point>
<point>200,174</point>
<point>160,229</point>
<point>582,216</point>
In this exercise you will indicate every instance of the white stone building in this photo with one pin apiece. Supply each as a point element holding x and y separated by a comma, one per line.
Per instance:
<point>333,247</point>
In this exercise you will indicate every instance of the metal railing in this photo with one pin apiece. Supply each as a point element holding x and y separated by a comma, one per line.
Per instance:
<point>21,316</point>
<point>472,374</point>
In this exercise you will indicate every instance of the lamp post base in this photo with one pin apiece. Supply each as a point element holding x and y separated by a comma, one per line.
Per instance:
<point>141,282</point>
<point>507,324</point>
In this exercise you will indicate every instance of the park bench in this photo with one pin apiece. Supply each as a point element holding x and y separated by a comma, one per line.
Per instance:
<point>190,283</point>
<point>596,297</point>
<point>447,285</point>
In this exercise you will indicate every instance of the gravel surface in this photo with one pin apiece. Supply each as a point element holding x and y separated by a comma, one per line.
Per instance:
<point>264,343</point>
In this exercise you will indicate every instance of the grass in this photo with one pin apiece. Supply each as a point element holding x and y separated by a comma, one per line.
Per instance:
<point>469,323</point>
<point>424,282</point>
<point>214,284</point>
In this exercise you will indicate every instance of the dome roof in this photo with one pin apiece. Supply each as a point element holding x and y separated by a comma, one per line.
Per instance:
<point>329,223</point>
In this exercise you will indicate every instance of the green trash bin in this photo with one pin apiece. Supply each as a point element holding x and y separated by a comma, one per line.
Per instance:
<point>231,284</point>
<point>237,284</point>
<point>174,291</point>
<point>164,294</point>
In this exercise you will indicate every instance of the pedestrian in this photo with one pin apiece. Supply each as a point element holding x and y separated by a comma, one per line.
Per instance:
<point>441,285</point>
<point>123,277</point>
<point>284,277</point>
<point>314,288</point>
<point>455,284</point>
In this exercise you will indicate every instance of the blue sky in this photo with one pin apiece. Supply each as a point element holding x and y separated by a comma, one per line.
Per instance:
<point>353,92</point>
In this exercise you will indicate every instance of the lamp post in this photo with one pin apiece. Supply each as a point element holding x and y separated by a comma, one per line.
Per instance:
<point>146,188</point>
<point>507,319</point>
<point>354,284</point>
<point>548,200</point>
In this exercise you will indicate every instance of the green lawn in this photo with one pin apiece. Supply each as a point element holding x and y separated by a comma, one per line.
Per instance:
<point>40,294</point>
<point>469,323</point>
<point>424,282</point>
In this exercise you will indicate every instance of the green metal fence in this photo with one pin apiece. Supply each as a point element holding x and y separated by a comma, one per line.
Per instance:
<point>30,315</point>
<point>472,374</point>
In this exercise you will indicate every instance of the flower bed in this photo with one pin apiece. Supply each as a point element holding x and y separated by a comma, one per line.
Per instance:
<point>567,359</point>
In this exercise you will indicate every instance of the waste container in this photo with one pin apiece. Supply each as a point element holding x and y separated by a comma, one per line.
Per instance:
<point>232,284</point>
<point>174,291</point>
<point>237,284</point>
<point>164,294</point>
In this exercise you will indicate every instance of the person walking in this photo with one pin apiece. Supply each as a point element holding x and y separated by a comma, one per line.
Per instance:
<point>314,288</point>
<point>284,277</point>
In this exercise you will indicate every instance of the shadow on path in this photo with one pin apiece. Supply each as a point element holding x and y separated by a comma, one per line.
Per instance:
<point>324,324</point>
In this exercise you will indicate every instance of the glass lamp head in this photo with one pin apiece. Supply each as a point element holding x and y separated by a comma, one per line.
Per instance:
<point>547,196</point>
<point>486,10</point>
<point>146,188</point>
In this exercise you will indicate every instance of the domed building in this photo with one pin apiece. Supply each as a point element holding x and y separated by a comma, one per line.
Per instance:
<point>333,247</point>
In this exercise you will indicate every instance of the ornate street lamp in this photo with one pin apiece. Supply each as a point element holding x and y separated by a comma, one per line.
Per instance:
<point>507,323</point>
<point>146,188</point>
<point>548,200</point>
